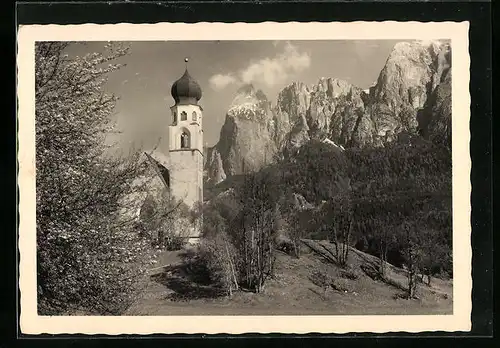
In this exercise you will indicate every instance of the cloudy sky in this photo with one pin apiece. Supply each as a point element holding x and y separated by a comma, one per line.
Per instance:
<point>220,67</point>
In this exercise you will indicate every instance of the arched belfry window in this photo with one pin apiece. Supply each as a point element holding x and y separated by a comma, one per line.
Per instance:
<point>195,116</point>
<point>185,141</point>
<point>184,116</point>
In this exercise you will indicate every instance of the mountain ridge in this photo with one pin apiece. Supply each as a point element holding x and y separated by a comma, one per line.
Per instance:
<point>412,94</point>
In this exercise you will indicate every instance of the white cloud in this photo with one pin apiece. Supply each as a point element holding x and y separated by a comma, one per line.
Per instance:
<point>269,71</point>
<point>221,81</point>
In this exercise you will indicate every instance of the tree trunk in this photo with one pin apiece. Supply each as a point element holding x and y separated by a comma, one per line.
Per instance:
<point>412,278</point>
<point>381,262</point>
<point>410,283</point>
<point>161,238</point>
<point>259,266</point>
<point>233,273</point>
<point>347,241</point>
<point>336,244</point>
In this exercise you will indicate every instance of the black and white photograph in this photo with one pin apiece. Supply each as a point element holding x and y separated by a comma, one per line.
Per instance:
<point>231,177</point>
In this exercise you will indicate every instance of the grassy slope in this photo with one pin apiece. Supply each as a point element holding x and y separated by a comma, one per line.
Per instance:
<point>293,293</point>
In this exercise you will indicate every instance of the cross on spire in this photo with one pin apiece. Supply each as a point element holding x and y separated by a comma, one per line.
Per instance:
<point>186,60</point>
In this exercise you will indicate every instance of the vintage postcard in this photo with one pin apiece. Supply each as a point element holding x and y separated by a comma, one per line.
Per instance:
<point>233,178</point>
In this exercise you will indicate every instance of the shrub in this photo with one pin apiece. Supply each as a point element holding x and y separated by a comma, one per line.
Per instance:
<point>173,242</point>
<point>340,284</point>
<point>254,232</point>
<point>220,261</point>
<point>213,221</point>
<point>349,274</point>
<point>321,279</point>
<point>326,281</point>
<point>286,245</point>
<point>166,221</point>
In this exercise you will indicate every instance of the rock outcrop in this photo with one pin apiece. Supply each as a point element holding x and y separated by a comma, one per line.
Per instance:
<point>290,114</point>
<point>331,108</point>
<point>411,74</point>
<point>213,166</point>
<point>246,138</point>
<point>435,118</point>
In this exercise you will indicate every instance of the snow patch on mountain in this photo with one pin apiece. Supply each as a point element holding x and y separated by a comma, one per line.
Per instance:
<point>329,142</point>
<point>243,108</point>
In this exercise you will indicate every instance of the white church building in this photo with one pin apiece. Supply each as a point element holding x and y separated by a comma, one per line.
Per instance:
<point>186,142</point>
<point>181,171</point>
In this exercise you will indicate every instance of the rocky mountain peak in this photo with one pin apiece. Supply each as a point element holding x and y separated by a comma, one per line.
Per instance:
<point>292,95</point>
<point>249,103</point>
<point>249,92</point>
<point>246,137</point>
<point>411,73</point>
<point>247,88</point>
<point>333,87</point>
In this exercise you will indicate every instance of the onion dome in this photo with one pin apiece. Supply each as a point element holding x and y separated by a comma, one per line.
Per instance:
<point>186,90</point>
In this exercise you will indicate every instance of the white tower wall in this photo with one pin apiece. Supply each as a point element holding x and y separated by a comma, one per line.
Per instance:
<point>186,163</point>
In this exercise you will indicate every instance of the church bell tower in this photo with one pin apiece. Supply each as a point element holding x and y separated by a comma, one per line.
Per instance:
<point>186,144</point>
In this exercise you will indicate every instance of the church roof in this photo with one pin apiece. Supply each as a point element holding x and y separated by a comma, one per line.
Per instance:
<point>155,160</point>
<point>159,156</point>
<point>186,90</point>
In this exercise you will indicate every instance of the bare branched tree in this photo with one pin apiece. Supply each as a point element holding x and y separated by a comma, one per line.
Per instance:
<point>254,232</point>
<point>342,226</point>
<point>413,255</point>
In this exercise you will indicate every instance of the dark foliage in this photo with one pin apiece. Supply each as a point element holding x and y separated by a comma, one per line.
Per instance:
<point>408,180</point>
<point>318,171</point>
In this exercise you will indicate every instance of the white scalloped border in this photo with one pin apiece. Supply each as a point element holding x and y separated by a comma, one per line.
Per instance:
<point>31,323</point>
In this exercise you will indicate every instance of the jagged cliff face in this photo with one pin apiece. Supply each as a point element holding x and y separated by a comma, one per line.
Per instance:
<point>435,118</point>
<point>290,112</point>
<point>412,93</point>
<point>214,170</point>
<point>410,76</point>
<point>337,111</point>
<point>246,138</point>
<point>332,109</point>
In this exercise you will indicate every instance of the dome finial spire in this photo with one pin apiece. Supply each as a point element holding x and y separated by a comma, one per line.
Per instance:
<point>186,89</point>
